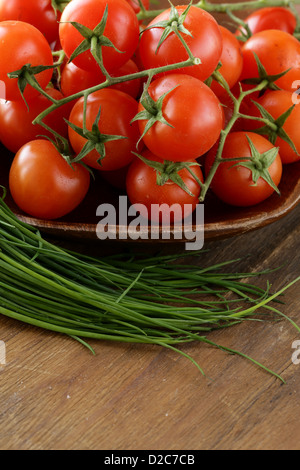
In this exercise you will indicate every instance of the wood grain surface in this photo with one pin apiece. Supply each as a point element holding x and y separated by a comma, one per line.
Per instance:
<point>56,395</point>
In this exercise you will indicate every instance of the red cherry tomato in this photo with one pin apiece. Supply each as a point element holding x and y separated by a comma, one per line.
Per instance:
<point>12,113</point>
<point>117,111</point>
<point>277,103</point>
<point>232,62</point>
<point>39,13</point>
<point>270,18</point>
<point>74,79</point>
<point>278,52</point>
<point>21,44</point>
<point>43,184</point>
<point>194,115</point>
<point>232,182</point>
<point>143,189</point>
<point>205,43</point>
<point>122,29</point>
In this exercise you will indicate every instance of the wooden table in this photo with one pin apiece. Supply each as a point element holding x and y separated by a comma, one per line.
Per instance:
<point>56,395</point>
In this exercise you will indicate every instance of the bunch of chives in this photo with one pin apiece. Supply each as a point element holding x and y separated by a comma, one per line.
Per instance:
<point>120,298</point>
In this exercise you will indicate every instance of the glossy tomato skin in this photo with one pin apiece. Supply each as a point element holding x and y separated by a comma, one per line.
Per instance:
<point>205,43</point>
<point>122,29</point>
<point>117,111</point>
<point>142,189</point>
<point>74,79</point>
<point>271,18</point>
<point>276,103</point>
<point>21,44</point>
<point>12,113</point>
<point>232,183</point>
<point>193,111</point>
<point>232,62</point>
<point>40,14</point>
<point>43,184</point>
<point>278,51</point>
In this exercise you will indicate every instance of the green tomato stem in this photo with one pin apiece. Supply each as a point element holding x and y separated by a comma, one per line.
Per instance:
<point>112,81</point>
<point>97,54</point>
<point>34,84</point>
<point>225,7</point>
<point>224,133</point>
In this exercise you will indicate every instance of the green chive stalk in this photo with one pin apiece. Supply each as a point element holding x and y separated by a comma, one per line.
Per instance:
<point>153,300</point>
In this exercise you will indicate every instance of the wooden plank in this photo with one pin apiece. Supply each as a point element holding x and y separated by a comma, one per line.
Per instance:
<point>56,395</point>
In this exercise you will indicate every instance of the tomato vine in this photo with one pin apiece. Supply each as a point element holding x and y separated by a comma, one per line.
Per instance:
<point>94,40</point>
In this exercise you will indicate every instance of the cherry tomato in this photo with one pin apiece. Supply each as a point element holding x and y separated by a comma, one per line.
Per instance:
<point>117,111</point>
<point>194,115</point>
<point>122,29</point>
<point>270,18</point>
<point>143,189</point>
<point>21,44</point>
<point>74,79</point>
<point>12,113</point>
<point>43,184</point>
<point>277,103</point>
<point>278,51</point>
<point>233,183</point>
<point>40,14</point>
<point>205,43</point>
<point>232,62</point>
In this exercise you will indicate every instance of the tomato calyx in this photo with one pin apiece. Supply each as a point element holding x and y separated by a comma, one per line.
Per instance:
<point>95,139</point>
<point>26,76</point>
<point>169,171</point>
<point>153,112</point>
<point>59,5</point>
<point>63,148</point>
<point>94,40</point>
<point>263,76</point>
<point>259,164</point>
<point>274,127</point>
<point>173,25</point>
<point>61,144</point>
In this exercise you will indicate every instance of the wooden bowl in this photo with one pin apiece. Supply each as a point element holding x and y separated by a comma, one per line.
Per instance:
<point>221,220</point>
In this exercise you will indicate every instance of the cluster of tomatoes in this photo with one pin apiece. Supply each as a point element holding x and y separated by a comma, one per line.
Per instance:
<point>155,133</point>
